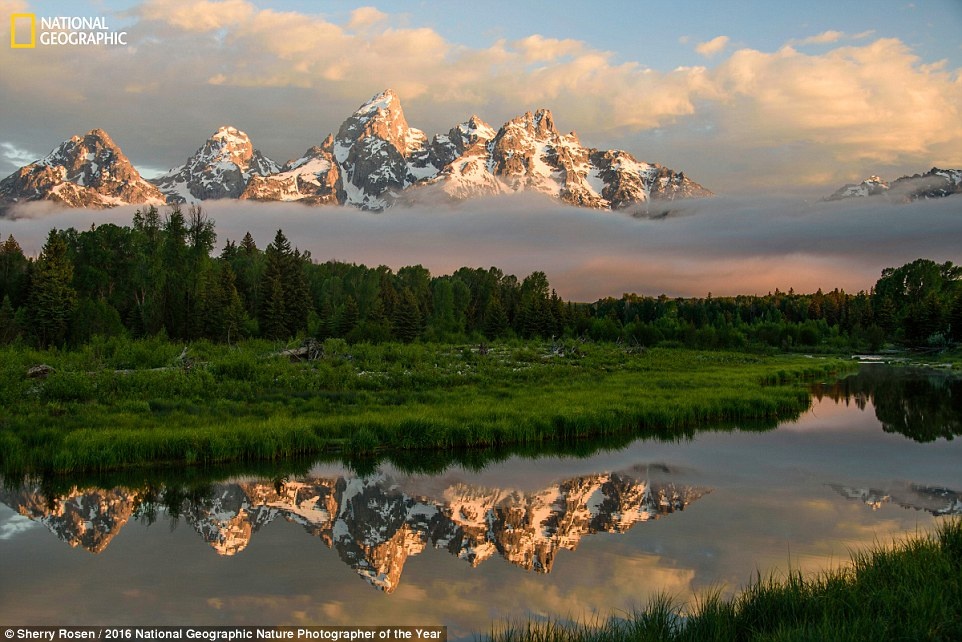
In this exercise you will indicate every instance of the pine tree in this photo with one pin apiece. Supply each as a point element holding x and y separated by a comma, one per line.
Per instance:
<point>407,317</point>
<point>247,244</point>
<point>52,297</point>
<point>273,323</point>
<point>9,329</point>
<point>234,316</point>
<point>287,297</point>
<point>495,319</point>
<point>13,270</point>
<point>349,317</point>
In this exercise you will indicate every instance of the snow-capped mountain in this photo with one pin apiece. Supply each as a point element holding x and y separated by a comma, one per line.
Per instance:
<point>312,179</point>
<point>83,171</point>
<point>379,154</point>
<point>374,524</point>
<point>527,153</point>
<point>221,168</point>
<point>375,160</point>
<point>935,183</point>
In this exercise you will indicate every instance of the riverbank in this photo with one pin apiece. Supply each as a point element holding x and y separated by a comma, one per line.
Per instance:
<point>120,403</point>
<point>909,591</point>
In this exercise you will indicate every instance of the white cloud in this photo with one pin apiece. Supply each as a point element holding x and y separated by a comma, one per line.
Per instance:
<point>714,46</point>
<point>539,48</point>
<point>823,38</point>
<point>200,15</point>
<point>363,17</point>
<point>874,102</point>
<point>289,78</point>
<point>17,156</point>
<point>15,525</point>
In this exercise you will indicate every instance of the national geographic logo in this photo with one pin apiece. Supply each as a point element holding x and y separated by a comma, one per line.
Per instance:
<point>62,31</point>
<point>27,24</point>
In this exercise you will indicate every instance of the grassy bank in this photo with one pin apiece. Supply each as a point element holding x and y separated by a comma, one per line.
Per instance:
<point>911,591</point>
<point>119,403</point>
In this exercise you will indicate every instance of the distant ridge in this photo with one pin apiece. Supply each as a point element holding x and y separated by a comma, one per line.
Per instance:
<point>935,183</point>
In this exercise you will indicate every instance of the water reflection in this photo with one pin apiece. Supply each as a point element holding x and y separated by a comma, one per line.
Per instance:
<point>935,500</point>
<point>923,405</point>
<point>372,522</point>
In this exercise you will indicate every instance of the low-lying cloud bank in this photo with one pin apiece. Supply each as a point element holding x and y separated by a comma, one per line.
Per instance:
<point>722,246</point>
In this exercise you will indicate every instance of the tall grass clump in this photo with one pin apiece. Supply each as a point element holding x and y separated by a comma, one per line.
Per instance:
<point>911,590</point>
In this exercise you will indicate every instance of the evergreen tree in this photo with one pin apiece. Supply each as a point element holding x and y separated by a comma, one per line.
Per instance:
<point>146,316</point>
<point>234,318</point>
<point>348,318</point>
<point>247,245</point>
<point>52,297</point>
<point>407,317</point>
<point>13,271</point>
<point>495,319</point>
<point>9,328</point>
<point>287,297</point>
<point>273,323</point>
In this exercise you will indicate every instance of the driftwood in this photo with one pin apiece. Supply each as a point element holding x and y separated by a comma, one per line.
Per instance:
<point>40,371</point>
<point>310,350</point>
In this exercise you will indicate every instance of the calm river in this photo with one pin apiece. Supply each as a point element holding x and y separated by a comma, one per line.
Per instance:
<point>550,537</point>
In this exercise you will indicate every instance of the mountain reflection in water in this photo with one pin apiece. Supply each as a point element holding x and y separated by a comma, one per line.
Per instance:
<point>372,523</point>
<point>935,500</point>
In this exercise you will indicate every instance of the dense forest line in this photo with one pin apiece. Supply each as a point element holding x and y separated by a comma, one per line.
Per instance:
<point>160,276</point>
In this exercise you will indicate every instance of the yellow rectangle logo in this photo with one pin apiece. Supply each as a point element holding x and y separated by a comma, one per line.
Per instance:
<point>23,18</point>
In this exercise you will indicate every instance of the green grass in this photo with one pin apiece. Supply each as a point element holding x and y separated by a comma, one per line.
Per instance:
<point>109,405</point>
<point>910,591</point>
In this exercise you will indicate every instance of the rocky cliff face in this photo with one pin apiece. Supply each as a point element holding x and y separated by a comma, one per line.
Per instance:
<point>379,154</point>
<point>84,171</point>
<point>312,179</point>
<point>221,168</point>
<point>935,183</point>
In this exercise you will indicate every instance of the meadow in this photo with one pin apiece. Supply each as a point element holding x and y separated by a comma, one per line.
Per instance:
<point>117,402</point>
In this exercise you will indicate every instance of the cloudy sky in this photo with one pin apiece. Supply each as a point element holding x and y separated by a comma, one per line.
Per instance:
<point>743,96</point>
<point>771,105</point>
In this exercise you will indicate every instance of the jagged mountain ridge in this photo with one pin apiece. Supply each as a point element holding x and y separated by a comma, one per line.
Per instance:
<point>374,525</point>
<point>935,183</point>
<point>377,159</point>
<point>83,171</point>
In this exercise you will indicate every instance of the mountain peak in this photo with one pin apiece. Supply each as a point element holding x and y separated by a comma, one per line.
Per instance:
<point>221,168</point>
<point>373,147</point>
<point>936,183</point>
<point>231,135</point>
<point>83,171</point>
<point>100,134</point>
<point>383,100</point>
<point>544,122</point>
